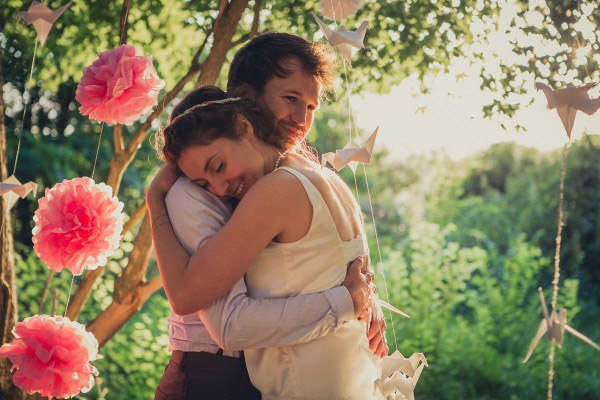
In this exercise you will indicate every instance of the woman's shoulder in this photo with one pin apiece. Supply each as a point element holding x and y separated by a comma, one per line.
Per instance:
<point>322,178</point>
<point>280,189</point>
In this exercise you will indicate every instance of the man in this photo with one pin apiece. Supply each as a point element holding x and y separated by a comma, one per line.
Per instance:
<point>285,75</point>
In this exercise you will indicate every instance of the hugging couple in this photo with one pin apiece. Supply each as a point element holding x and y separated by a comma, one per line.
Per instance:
<point>262,252</point>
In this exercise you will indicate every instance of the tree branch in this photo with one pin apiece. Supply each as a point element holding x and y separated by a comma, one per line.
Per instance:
<point>135,217</point>
<point>45,292</point>
<point>223,6</point>
<point>118,137</point>
<point>118,164</point>
<point>153,284</point>
<point>195,67</point>
<point>255,25</point>
<point>135,272</point>
<point>225,27</point>
<point>255,19</point>
<point>8,290</point>
<point>124,24</point>
<point>131,290</point>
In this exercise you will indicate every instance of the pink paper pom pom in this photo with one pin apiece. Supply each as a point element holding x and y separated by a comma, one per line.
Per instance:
<point>78,225</point>
<point>119,86</point>
<point>52,356</point>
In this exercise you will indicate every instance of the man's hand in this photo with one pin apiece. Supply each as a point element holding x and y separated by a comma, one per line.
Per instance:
<point>357,283</point>
<point>376,336</point>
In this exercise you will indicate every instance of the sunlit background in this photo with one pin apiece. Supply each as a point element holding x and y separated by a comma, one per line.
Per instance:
<point>467,229</point>
<point>448,115</point>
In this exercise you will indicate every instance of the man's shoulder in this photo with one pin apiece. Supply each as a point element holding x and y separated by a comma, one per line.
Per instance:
<point>186,193</point>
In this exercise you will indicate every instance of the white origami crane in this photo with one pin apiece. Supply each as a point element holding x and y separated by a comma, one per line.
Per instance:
<point>399,375</point>
<point>378,303</point>
<point>351,155</point>
<point>42,18</point>
<point>346,41</point>
<point>388,306</point>
<point>339,9</point>
<point>568,101</point>
<point>11,189</point>
<point>554,327</point>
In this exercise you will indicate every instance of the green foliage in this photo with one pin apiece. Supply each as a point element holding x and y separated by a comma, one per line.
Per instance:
<point>508,191</point>
<point>135,359</point>
<point>474,312</point>
<point>545,38</point>
<point>465,245</point>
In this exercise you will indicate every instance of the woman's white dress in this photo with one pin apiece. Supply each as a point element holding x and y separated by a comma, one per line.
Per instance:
<point>338,365</point>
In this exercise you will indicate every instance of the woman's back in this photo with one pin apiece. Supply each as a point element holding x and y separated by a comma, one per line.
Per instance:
<point>338,365</point>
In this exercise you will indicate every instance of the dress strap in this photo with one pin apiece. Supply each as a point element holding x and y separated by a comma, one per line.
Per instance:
<point>313,193</point>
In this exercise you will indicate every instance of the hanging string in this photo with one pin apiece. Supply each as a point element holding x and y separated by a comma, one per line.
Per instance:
<point>45,291</point>
<point>551,369</point>
<point>121,36</point>
<point>561,223</point>
<point>25,98</point>
<point>556,278</point>
<point>352,127</point>
<point>69,295</point>
<point>97,150</point>
<point>385,286</point>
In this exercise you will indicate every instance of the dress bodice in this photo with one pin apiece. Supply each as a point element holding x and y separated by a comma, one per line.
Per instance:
<point>335,366</point>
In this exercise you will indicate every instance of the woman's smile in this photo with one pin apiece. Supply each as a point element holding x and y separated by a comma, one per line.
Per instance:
<point>239,190</point>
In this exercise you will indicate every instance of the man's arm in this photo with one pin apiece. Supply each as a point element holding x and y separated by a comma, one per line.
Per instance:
<point>236,321</point>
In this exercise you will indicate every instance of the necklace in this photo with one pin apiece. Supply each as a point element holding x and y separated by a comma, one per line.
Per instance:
<point>281,157</point>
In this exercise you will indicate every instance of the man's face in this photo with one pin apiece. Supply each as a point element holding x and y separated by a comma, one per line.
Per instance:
<point>292,100</point>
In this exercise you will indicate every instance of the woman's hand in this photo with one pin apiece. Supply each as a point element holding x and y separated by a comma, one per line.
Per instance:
<point>376,336</point>
<point>162,182</point>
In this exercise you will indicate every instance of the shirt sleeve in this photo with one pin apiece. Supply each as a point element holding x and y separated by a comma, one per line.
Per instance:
<point>236,321</point>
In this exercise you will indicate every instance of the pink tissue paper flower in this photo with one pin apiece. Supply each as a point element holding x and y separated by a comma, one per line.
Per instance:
<point>52,356</point>
<point>78,225</point>
<point>119,86</point>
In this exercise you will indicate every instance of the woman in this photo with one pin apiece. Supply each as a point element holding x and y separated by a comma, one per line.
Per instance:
<point>294,221</point>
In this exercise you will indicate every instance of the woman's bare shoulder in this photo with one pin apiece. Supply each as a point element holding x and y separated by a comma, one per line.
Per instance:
<point>278,191</point>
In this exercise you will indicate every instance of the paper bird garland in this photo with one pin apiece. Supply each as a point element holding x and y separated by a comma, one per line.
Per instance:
<point>392,308</point>
<point>346,41</point>
<point>42,18</point>
<point>554,327</point>
<point>378,304</point>
<point>351,155</point>
<point>399,375</point>
<point>11,189</point>
<point>568,101</point>
<point>339,9</point>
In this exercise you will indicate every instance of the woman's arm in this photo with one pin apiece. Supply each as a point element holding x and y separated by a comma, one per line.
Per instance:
<point>195,282</point>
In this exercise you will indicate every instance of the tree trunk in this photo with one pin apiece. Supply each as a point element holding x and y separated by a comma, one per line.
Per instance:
<point>131,289</point>
<point>8,293</point>
<point>118,164</point>
<point>225,27</point>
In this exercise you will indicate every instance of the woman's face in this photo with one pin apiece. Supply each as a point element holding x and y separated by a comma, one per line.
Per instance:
<point>226,167</point>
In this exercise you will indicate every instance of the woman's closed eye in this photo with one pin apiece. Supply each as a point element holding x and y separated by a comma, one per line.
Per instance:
<point>220,168</point>
<point>202,183</point>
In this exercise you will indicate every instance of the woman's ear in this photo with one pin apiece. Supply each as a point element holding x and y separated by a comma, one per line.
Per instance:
<point>244,127</point>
